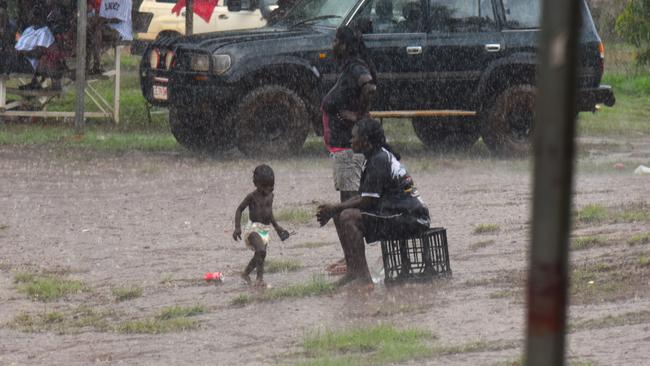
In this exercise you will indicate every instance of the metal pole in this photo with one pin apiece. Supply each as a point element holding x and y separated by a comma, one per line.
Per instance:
<point>553,183</point>
<point>189,17</point>
<point>80,80</point>
<point>118,81</point>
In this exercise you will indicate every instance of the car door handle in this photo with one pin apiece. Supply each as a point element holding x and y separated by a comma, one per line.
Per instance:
<point>223,16</point>
<point>493,47</point>
<point>414,50</point>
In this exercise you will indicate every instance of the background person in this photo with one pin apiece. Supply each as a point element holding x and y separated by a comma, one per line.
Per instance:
<point>388,207</point>
<point>113,23</point>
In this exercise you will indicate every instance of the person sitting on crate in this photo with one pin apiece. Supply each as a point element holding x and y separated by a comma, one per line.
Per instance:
<point>38,53</point>
<point>111,24</point>
<point>389,206</point>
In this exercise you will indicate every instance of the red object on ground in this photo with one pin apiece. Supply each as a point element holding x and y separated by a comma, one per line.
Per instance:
<point>619,166</point>
<point>213,276</point>
<point>202,8</point>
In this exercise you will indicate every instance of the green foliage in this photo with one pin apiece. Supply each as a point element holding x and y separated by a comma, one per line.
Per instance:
<point>282,265</point>
<point>73,321</point>
<point>486,229</point>
<point>376,345</point>
<point>592,213</point>
<point>640,239</point>
<point>633,25</point>
<point>586,242</point>
<point>47,288</point>
<point>169,319</point>
<point>127,293</point>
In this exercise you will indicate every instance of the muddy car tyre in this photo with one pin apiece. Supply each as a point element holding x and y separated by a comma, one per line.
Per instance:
<point>197,134</point>
<point>271,120</point>
<point>446,134</point>
<point>507,126</point>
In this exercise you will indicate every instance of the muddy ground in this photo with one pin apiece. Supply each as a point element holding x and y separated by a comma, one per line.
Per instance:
<point>158,221</point>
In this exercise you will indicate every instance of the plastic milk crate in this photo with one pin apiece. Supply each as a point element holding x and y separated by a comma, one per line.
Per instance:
<point>416,258</point>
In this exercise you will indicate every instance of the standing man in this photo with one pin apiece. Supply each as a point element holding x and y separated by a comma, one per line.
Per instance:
<point>113,23</point>
<point>346,103</point>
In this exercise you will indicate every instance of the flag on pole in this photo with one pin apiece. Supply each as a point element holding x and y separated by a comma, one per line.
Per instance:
<point>202,8</point>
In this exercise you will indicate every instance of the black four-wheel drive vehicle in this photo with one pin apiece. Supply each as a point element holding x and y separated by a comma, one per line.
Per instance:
<point>260,89</point>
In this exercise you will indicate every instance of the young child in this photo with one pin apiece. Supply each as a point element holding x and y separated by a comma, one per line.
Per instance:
<point>260,212</point>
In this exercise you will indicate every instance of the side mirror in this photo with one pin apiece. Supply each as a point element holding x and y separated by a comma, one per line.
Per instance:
<point>239,5</point>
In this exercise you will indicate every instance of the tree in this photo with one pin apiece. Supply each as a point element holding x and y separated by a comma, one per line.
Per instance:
<point>633,25</point>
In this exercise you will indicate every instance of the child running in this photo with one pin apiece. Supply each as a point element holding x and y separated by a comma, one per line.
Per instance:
<point>260,212</point>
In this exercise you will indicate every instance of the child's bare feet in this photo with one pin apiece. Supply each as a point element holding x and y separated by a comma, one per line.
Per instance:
<point>246,278</point>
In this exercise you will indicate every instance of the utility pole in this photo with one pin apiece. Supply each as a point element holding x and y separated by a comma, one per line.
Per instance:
<point>80,77</point>
<point>189,17</point>
<point>555,122</point>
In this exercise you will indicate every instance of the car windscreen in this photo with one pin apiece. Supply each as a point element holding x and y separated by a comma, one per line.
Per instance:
<point>329,13</point>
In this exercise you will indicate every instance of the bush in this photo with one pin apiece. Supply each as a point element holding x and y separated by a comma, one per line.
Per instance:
<point>633,25</point>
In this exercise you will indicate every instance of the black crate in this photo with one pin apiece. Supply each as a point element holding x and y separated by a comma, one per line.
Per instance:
<point>418,258</point>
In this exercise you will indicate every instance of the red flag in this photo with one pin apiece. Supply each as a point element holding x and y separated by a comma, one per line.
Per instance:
<point>202,8</point>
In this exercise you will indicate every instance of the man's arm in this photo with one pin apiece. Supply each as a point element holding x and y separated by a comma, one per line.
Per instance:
<point>368,90</point>
<point>242,206</point>
<point>326,212</point>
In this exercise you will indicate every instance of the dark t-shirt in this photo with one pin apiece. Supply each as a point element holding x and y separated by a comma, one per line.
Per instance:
<point>344,95</point>
<point>398,210</point>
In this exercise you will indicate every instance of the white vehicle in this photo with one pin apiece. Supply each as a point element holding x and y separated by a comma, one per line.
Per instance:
<point>166,23</point>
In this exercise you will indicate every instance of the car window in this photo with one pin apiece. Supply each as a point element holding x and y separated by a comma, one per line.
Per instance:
<point>321,12</point>
<point>461,16</point>
<point>394,16</point>
<point>522,14</point>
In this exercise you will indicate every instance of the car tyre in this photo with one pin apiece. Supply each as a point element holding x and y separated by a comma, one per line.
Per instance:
<point>507,127</point>
<point>445,134</point>
<point>271,120</point>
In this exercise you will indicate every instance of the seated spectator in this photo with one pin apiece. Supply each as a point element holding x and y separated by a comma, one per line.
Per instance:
<point>35,45</point>
<point>384,22</point>
<point>112,24</point>
<point>412,22</point>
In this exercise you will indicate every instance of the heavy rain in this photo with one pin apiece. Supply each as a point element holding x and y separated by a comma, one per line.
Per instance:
<point>320,182</point>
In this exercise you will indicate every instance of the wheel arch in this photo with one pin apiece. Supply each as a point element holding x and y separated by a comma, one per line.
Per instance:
<point>517,69</point>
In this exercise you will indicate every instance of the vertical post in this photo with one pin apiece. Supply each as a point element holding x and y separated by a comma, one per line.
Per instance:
<point>116,94</point>
<point>189,17</point>
<point>80,80</point>
<point>3,93</point>
<point>553,182</point>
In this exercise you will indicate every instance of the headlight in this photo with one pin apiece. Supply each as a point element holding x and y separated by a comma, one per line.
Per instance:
<point>169,57</point>
<point>221,63</point>
<point>154,58</point>
<point>200,63</point>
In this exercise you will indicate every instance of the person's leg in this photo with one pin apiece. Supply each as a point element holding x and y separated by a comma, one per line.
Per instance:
<point>256,241</point>
<point>351,235</point>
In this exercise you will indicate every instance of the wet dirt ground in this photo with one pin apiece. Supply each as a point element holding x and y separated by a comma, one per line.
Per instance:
<point>159,221</point>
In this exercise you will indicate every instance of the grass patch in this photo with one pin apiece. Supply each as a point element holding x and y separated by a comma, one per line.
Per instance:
<point>316,286</point>
<point>312,244</point>
<point>241,300</point>
<point>639,239</point>
<point>126,293</point>
<point>95,138</point>
<point>376,345</point>
<point>505,293</point>
<point>296,215</point>
<point>47,288</point>
<point>612,279</point>
<point>169,319</point>
<point>384,344</point>
<point>644,261</point>
<point>592,213</point>
<point>4,227</point>
<point>486,229</point>
<point>282,265</point>
<point>69,322</point>
<point>610,321</point>
<point>586,242</point>
<point>481,244</point>
<point>596,214</point>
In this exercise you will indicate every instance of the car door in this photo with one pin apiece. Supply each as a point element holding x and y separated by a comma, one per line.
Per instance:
<point>463,39</point>
<point>396,47</point>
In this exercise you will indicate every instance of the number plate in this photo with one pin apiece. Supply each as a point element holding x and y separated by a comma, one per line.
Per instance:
<point>160,92</point>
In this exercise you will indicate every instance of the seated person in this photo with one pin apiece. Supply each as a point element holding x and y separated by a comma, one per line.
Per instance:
<point>412,22</point>
<point>112,23</point>
<point>37,45</point>
<point>384,22</point>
